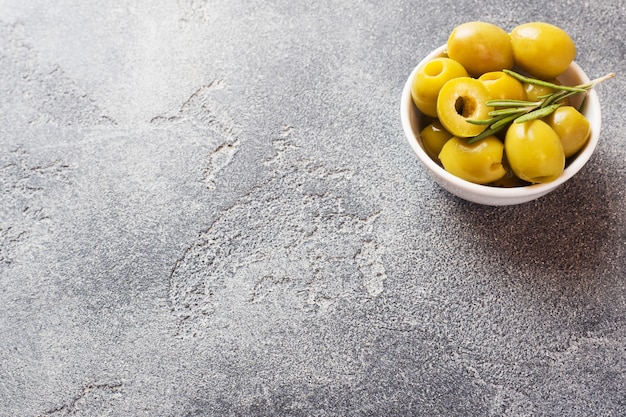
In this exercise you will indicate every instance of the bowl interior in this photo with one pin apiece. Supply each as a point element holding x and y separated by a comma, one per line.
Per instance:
<point>414,121</point>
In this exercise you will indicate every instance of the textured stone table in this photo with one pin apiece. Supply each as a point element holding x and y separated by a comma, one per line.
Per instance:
<point>208,208</point>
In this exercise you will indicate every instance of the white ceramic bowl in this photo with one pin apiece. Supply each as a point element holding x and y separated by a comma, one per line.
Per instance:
<point>413,122</point>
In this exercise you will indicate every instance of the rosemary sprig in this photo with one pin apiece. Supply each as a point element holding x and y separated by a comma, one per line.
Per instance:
<point>520,111</point>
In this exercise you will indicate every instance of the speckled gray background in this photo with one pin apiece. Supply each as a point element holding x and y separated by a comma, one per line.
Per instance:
<point>208,208</point>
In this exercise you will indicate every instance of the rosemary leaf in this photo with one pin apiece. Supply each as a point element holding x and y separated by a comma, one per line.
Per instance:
<point>493,129</point>
<point>509,111</point>
<point>482,122</point>
<point>511,103</point>
<point>582,104</point>
<point>503,122</point>
<point>484,134</point>
<point>553,98</point>
<point>538,114</point>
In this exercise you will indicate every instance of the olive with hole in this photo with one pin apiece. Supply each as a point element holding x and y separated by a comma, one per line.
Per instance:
<point>429,80</point>
<point>462,99</point>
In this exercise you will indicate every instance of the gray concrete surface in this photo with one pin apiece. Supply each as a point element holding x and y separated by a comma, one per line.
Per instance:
<point>208,208</point>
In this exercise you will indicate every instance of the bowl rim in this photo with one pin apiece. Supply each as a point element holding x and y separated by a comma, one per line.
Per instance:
<point>591,110</point>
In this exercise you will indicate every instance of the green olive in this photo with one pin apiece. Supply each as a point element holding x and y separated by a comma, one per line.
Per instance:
<point>461,99</point>
<point>534,151</point>
<point>479,162</point>
<point>535,92</point>
<point>429,80</point>
<point>541,49</point>
<point>572,127</point>
<point>503,86</point>
<point>481,47</point>
<point>434,136</point>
